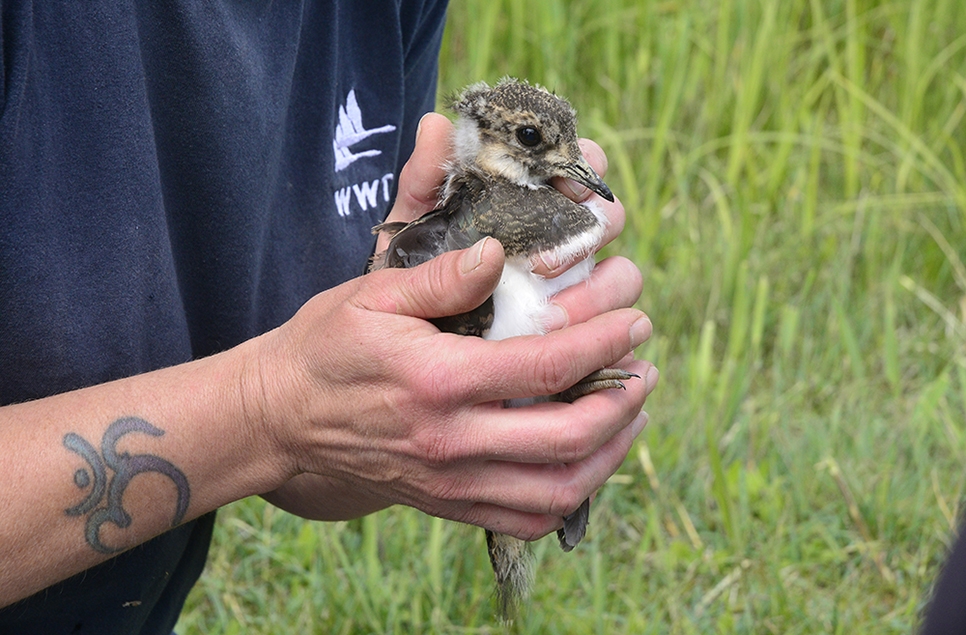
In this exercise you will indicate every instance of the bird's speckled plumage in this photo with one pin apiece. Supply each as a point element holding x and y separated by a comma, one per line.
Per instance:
<point>509,141</point>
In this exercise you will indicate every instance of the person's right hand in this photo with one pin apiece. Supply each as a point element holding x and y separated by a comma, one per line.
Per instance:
<point>359,388</point>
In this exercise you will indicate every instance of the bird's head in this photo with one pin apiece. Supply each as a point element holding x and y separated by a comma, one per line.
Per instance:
<point>522,133</point>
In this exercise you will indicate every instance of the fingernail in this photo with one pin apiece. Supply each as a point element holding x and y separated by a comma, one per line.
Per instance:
<point>640,331</point>
<point>579,191</point>
<point>650,379</point>
<point>556,317</point>
<point>473,257</point>
<point>419,126</point>
<point>547,259</point>
<point>640,422</point>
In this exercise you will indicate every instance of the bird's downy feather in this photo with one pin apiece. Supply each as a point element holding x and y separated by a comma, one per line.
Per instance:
<point>509,141</point>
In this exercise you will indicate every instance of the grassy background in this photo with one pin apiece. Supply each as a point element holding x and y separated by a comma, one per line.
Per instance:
<point>795,183</point>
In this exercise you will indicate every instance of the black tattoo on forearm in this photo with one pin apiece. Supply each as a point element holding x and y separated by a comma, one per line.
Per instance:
<point>125,468</point>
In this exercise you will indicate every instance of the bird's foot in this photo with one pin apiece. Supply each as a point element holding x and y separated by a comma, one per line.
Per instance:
<point>599,380</point>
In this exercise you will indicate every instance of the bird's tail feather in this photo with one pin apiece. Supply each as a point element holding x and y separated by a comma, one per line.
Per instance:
<point>513,565</point>
<point>575,527</point>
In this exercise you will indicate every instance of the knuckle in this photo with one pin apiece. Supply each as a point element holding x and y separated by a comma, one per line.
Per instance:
<point>429,380</point>
<point>439,282</point>
<point>445,490</point>
<point>436,448</point>
<point>377,291</point>
<point>565,499</point>
<point>573,444</point>
<point>443,443</point>
<point>550,373</point>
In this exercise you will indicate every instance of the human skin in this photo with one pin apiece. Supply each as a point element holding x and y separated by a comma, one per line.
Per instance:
<point>355,404</point>
<point>616,283</point>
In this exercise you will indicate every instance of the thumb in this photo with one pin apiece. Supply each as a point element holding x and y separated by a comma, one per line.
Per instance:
<point>452,283</point>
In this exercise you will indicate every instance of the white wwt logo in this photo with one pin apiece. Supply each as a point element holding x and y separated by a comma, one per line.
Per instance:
<point>350,131</point>
<point>366,194</point>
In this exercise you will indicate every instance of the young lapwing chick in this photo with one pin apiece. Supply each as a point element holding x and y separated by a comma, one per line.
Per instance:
<point>510,140</point>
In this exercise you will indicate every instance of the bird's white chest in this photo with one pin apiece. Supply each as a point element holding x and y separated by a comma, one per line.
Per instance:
<point>520,299</point>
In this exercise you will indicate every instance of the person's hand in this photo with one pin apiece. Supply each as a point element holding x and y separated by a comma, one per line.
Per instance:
<point>360,388</point>
<point>392,411</point>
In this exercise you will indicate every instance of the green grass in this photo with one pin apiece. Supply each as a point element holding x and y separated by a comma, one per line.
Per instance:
<point>795,184</point>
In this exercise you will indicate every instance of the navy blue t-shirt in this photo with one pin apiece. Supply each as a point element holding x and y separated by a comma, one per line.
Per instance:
<point>176,178</point>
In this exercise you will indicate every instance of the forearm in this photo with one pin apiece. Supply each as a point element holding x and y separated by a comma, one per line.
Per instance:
<point>89,473</point>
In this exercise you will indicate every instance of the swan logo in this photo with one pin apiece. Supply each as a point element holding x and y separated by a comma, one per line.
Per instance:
<point>350,131</point>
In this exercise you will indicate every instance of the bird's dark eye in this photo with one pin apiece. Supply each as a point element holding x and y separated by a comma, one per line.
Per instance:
<point>529,136</point>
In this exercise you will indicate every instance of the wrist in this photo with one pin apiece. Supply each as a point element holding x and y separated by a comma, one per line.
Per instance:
<point>265,398</point>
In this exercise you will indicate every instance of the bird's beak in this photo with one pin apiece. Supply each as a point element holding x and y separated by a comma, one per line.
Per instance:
<point>585,175</point>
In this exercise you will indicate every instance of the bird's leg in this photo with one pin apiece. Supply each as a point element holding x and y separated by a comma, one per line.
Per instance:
<point>575,524</point>
<point>599,380</point>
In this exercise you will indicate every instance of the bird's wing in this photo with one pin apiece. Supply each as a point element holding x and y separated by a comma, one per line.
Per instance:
<point>447,228</point>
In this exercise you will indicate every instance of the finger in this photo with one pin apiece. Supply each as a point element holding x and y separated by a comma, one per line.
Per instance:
<point>528,502</point>
<point>423,173</point>
<point>550,433</point>
<point>594,154</point>
<point>555,490</point>
<point>615,283</point>
<point>521,525</point>
<point>558,433</point>
<point>597,159</point>
<point>543,365</point>
<point>616,217</point>
<point>452,283</point>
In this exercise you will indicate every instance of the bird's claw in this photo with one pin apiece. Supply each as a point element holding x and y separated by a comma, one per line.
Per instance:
<point>598,380</point>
